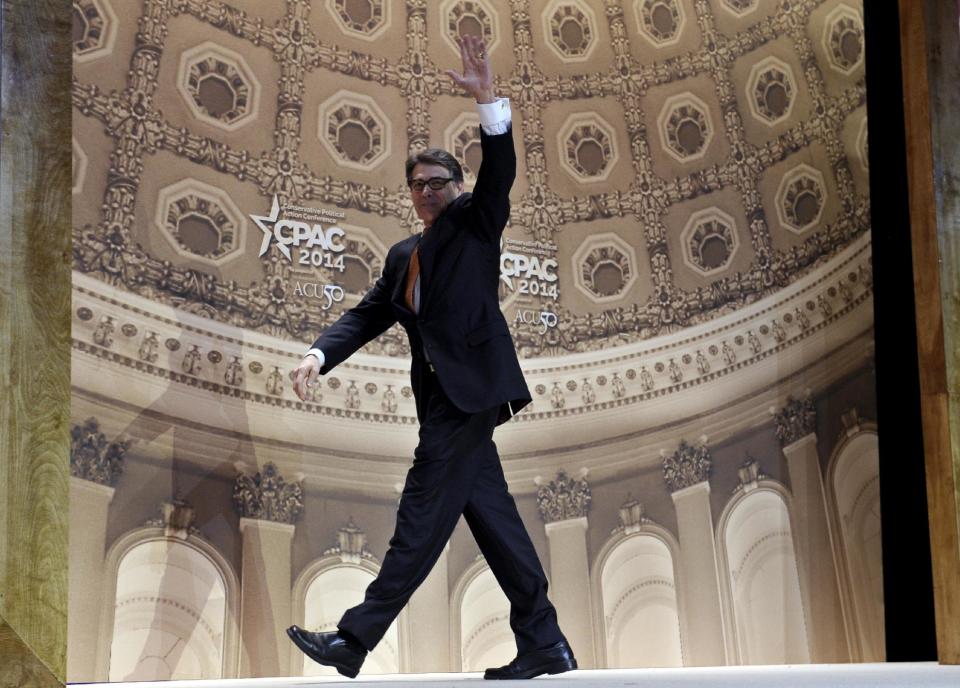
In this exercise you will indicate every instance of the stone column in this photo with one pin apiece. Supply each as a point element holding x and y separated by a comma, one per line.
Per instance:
<point>429,620</point>
<point>687,473</point>
<point>269,507</point>
<point>819,590</point>
<point>95,467</point>
<point>564,504</point>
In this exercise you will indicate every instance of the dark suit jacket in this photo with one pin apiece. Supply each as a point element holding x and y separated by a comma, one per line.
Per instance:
<point>460,324</point>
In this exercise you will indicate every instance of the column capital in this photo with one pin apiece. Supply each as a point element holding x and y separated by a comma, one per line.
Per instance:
<point>795,420</point>
<point>687,466</point>
<point>563,498</point>
<point>92,457</point>
<point>266,495</point>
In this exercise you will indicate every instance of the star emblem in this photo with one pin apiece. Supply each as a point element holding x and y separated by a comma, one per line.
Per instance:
<point>266,224</point>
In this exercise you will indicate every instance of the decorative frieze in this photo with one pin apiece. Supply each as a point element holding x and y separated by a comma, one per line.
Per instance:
<point>267,495</point>
<point>563,498</point>
<point>797,419</point>
<point>92,457</point>
<point>688,465</point>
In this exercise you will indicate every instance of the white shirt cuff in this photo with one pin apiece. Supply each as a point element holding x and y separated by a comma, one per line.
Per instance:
<point>495,117</point>
<point>319,355</point>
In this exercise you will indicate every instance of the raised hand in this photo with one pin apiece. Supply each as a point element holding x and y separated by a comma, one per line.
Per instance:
<point>477,77</point>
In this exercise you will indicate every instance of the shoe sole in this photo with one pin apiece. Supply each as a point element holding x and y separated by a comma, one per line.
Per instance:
<point>343,669</point>
<point>558,667</point>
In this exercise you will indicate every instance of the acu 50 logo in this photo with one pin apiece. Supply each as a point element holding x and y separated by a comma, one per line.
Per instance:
<point>314,245</point>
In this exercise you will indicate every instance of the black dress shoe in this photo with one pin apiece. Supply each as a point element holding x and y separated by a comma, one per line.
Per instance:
<point>554,659</point>
<point>330,649</point>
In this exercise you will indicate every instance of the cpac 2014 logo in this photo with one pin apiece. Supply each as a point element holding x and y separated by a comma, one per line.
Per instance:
<point>535,275</point>
<point>315,245</point>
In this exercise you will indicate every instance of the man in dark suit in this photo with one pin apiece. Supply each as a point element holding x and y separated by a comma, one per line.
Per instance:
<point>442,288</point>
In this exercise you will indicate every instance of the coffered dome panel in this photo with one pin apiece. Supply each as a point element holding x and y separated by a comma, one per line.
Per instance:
<point>474,17</point>
<point>801,198</point>
<point>660,21</point>
<point>364,19</point>
<point>843,39</point>
<point>201,222</point>
<point>570,27</point>
<point>771,91</point>
<point>94,29</point>
<point>588,147</point>
<point>685,127</point>
<point>710,241</point>
<point>218,86</point>
<point>586,152</point>
<point>354,129</point>
<point>604,267</point>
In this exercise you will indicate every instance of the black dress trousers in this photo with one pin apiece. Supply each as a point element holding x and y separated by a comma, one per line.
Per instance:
<point>456,470</point>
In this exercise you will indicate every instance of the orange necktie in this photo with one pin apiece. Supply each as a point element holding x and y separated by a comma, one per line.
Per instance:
<point>412,272</point>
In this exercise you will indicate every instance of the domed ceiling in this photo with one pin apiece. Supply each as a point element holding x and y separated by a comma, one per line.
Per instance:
<point>678,159</point>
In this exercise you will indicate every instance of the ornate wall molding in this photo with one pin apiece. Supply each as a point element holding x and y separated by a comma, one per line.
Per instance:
<point>192,351</point>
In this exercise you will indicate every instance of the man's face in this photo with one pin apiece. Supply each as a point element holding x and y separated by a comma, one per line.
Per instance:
<point>429,203</point>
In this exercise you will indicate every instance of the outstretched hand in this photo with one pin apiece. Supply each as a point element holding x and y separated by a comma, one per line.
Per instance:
<point>477,77</point>
<point>305,376</point>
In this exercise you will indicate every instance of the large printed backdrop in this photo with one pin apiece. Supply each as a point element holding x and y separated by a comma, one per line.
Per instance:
<point>686,273</point>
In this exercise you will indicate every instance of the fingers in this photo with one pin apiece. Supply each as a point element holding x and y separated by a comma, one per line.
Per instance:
<point>304,377</point>
<point>456,76</point>
<point>473,52</point>
<point>298,383</point>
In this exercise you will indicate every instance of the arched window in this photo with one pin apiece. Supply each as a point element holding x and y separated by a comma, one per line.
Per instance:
<point>484,615</point>
<point>764,585</point>
<point>327,589</point>
<point>640,618</point>
<point>170,613</point>
<point>854,481</point>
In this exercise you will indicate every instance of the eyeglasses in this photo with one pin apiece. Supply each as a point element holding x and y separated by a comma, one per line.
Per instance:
<point>435,183</point>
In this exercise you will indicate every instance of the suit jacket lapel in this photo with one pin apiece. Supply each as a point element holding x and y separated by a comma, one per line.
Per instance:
<point>437,251</point>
